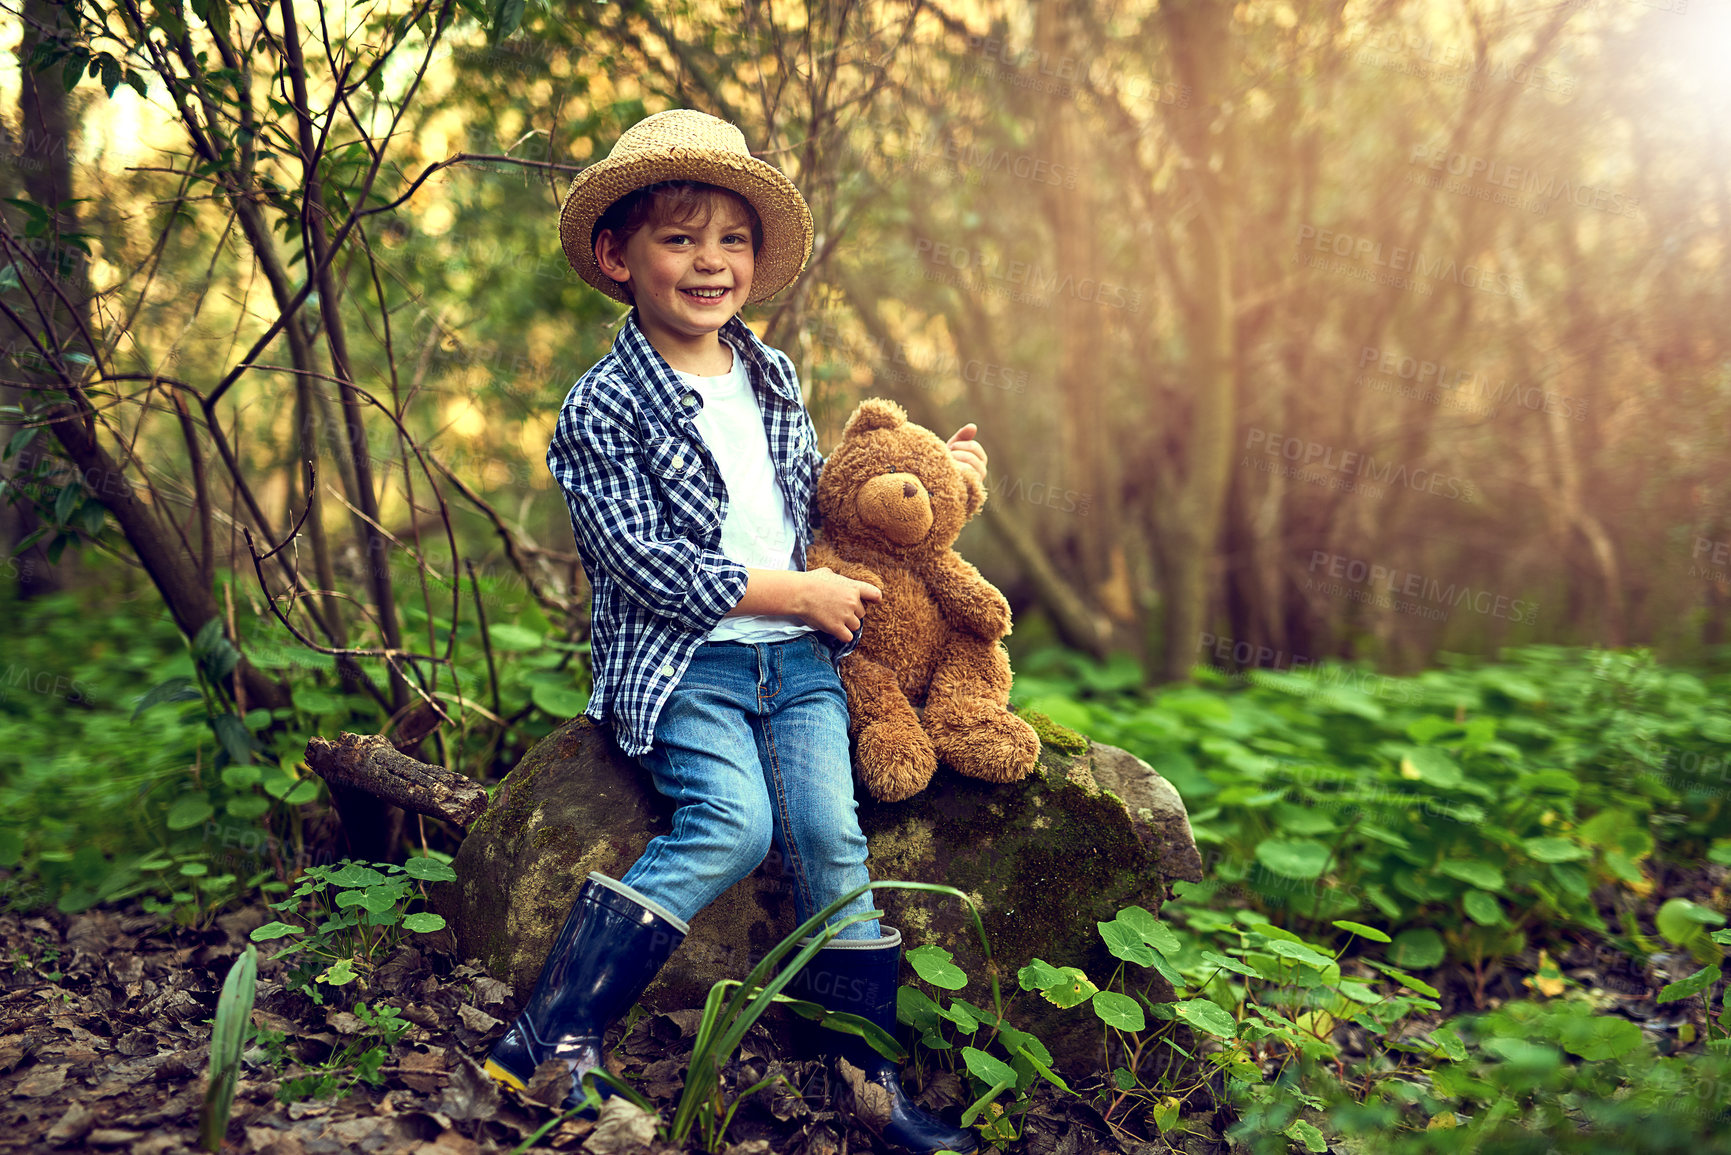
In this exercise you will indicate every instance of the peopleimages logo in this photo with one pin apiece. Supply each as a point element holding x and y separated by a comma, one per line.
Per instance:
<point>1355,464</point>
<point>1392,580</point>
<point>1424,372</point>
<point>1502,175</point>
<point>1402,260</point>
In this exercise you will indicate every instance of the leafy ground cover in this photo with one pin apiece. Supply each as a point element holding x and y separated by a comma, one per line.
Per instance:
<point>1525,861</point>
<point>126,771</point>
<point>1483,908</point>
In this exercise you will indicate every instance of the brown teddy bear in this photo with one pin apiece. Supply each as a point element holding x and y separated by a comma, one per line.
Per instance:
<point>891,503</point>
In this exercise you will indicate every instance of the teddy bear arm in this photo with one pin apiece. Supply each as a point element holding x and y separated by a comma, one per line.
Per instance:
<point>821,555</point>
<point>968,601</point>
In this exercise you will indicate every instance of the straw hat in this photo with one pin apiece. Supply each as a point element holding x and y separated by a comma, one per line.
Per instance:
<point>684,144</point>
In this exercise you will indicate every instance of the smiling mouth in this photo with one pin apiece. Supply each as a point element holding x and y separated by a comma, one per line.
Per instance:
<point>707,294</point>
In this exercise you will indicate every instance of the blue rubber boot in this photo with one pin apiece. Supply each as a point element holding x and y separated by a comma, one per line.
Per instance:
<point>612,945</point>
<point>859,976</point>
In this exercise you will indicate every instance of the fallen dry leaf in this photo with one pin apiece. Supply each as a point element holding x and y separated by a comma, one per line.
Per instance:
<point>448,1143</point>
<point>471,1094</point>
<point>423,1072</point>
<point>476,1020</point>
<point>112,1137</point>
<point>871,1103</point>
<point>73,1125</point>
<point>41,1081</point>
<point>623,1128</point>
<point>550,1083</point>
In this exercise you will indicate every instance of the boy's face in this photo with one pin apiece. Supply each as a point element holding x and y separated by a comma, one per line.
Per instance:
<point>668,262</point>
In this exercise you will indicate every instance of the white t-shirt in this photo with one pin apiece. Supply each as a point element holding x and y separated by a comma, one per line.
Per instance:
<point>758,531</point>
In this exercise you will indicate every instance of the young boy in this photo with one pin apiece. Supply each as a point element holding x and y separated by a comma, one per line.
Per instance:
<point>688,463</point>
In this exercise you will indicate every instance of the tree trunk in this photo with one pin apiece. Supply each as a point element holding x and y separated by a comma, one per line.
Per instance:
<point>1189,524</point>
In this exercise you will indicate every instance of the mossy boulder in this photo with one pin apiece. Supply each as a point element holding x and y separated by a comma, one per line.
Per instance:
<point>1044,859</point>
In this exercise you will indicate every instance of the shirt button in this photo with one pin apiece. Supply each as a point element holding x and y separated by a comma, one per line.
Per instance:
<point>679,462</point>
<point>690,400</point>
<point>717,502</point>
<point>667,671</point>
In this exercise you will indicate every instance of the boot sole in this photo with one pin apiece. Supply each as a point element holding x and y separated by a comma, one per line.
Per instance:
<point>503,1075</point>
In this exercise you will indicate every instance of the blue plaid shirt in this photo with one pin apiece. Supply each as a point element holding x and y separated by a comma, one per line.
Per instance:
<point>647,502</point>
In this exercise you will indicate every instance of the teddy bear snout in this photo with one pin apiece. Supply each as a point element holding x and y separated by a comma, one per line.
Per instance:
<point>897,506</point>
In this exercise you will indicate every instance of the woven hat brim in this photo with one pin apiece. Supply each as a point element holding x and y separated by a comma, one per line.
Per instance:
<point>787,228</point>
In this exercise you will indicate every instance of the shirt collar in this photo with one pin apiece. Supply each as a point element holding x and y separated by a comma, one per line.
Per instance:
<point>664,389</point>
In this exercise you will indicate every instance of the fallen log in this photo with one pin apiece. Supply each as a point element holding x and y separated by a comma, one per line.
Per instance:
<point>371,764</point>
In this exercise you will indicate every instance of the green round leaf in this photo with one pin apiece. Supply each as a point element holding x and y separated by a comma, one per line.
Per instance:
<point>1479,874</point>
<point>1307,1135</point>
<point>272,930</point>
<point>990,1071</point>
<point>1419,948</point>
<point>1482,908</point>
<point>1121,1011</point>
<point>430,870</point>
<point>958,1014</point>
<point>339,973</point>
<point>1361,930</point>
<point>1693,985</point>
<point>1297,952</point>
<point>914,1007</point>
<point>1598,1037</point>
<point>1409,981</point>
<point>424,922</point>
<point>247,806</point>
<point>378,899</point>
<point>1154,932</point>
<point>936,966</point>
<point>188,811</point>
<point>1213,959</point>
<point>506,636</point>
<point>1123,942</point>
<point>354,875</point>
<point>1039,975</point>
<point>558,701</point>
<point>1680,920</point>
<point>1522,1053</point>
<point>304,791</point>
<point>316,702</point>
<point>1555,849</point>
<point>1450,1042</point>
<point>1206,1015</point>
<point>1293,857</point>
<point>1073,991</point>
<point>238,777</point>
<point>1428,764</point>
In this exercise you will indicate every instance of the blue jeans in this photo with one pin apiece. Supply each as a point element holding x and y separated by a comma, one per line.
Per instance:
<point>752,746</point>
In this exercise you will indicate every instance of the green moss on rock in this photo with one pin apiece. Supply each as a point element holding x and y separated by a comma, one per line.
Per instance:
<point>1060,738</point>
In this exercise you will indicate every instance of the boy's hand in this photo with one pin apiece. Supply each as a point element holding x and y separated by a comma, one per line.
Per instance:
<point>966,452</point>
<point>833,603</point>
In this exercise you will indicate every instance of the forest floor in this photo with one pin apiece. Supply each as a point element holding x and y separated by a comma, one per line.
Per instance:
<point>105,1044</point>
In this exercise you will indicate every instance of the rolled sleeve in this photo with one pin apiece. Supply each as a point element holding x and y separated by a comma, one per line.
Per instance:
<point>618,521</point>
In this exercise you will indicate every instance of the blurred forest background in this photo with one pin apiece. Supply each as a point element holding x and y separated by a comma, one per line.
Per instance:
<point>1294,330</point>
<point>1357,384</point>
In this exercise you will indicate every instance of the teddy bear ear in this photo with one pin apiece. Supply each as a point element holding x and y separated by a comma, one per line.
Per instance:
<point>875,413</point>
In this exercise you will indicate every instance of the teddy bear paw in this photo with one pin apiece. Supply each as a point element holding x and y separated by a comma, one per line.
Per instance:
<point>895,760</point>
<point>991,744</point>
